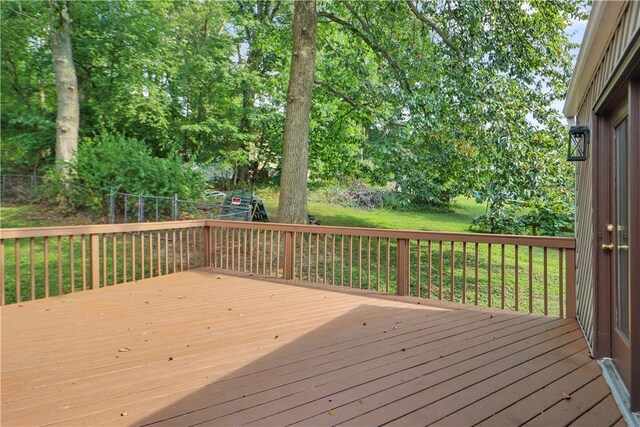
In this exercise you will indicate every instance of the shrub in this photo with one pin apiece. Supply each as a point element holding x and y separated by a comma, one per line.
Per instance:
<point>124,165</point>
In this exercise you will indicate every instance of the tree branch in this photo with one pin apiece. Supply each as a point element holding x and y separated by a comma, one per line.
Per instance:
<point>445,38</point>
<point>339,94</point>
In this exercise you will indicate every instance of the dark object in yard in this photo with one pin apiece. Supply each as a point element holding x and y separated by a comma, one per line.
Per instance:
<point>313,220</point>
<point>242,205</point>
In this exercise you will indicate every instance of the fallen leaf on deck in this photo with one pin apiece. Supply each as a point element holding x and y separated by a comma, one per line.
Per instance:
<point>364,324</point>
<point>275,337</point>
<point>180,297</point>
<point>331,412</point>
<point>124,349</point>
<point>170,358</point>
<point>124,414</point>
<point>566,396</point>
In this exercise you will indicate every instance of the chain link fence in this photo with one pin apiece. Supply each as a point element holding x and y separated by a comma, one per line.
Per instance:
<point>125,207</point>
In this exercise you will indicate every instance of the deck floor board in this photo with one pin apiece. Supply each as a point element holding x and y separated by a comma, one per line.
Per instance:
<point>204,348</point>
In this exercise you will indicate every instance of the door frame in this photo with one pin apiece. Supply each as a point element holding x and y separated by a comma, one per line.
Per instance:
<point>603,121</point>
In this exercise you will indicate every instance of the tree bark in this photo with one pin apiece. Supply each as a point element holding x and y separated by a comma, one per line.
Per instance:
<point>293,182</point>
<point>68,119</point>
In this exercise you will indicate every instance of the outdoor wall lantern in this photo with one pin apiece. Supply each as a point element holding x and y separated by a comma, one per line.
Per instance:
<point>578,143</point>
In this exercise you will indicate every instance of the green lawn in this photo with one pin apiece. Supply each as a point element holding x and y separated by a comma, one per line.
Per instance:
<point>465,209</point>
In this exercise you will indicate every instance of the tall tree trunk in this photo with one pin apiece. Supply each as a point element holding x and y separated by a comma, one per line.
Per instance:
<point>293,182</point>
<point>68,118</point>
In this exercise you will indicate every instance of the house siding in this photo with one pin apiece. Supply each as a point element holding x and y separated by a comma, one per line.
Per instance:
<point>628,25</point>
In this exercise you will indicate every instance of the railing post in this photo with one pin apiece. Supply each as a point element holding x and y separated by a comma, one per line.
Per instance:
<point>402,273</point>
<point>288,255</point>
<point>94,254</point>
<point>174,208</point>
<point>571,283</point>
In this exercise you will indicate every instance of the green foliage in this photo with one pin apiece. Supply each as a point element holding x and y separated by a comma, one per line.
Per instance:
<point>394,103</point>
<point>124,165</point>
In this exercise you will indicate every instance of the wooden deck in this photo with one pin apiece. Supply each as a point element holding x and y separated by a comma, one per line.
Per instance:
<point>200,348</point>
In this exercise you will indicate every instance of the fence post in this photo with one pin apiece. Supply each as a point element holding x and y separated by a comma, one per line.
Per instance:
<point>126,208</point>
<point>571,283</point>
<point>4,184</point>
<point>94,261</point>
<point>402,273</point>
<point>157,210</point>
<point>112,206</point>
<point>174,208</point>
<point>140,208</point>
<point>288,255</point>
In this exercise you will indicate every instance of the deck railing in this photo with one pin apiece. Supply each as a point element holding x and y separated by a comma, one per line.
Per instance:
<point>520,273</point>
<point>47,261</point>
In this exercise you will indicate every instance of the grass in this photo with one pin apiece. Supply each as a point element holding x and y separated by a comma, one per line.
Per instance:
<point>12,216</point>
<point>465,209</point>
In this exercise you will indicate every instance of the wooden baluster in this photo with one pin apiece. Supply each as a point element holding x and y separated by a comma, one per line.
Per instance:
<point>302,252</point>
<point>369,263</point>
<point>264,252</point>
<point>278,253</point>
<point>324,259</point>
<point>452,254</point>
<point>83,256</point>
<point>142,256</point>
<point>464,272</point>
<point>517,285</point>
<point>333,259</point>
<point>530,279</point>
<point>188,248</point>
<point>104,259</point>
<point>195,248</point>
<point>271,232</point>
<point>418,269</point>
<point>60,289</point>
<point>240,248</point>
<point>440,281</point>
<point>124,257</point>
<point>32,268</point>
<point>429,270</point>
<point>133,257</point>
<point>502,276</point>
<point>2,282</point>
<point>166,251</point>
<point>341,260</point>
<point>251,250</point>
<point>151,254</point>
<point>388,263</point>
<point>233,247</point>
<point>46,267</point>
<point>173,251</point>
<point>72,264</point>
<point>359,262</point>
<point>546,284</point>
<point>489,277</point>
<point>350,261</point>
<point>378,266</point>
<point>114,258</point>
<point>317,239</point>
<point>17,269</point>
<point>475,301</point>
<point>560,283</point>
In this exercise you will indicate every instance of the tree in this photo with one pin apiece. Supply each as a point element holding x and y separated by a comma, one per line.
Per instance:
<point>293,184</point>
<point>68,119</point>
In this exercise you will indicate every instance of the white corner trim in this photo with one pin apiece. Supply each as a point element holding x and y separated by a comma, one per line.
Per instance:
<point>601,25</point>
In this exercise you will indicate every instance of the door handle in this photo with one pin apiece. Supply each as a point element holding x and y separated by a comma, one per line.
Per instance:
<point>608,247</point>
<point>623,247</point>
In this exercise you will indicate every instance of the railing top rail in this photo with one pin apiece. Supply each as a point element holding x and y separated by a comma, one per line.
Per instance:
<point>507,239</point>
<point>15,233</point>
